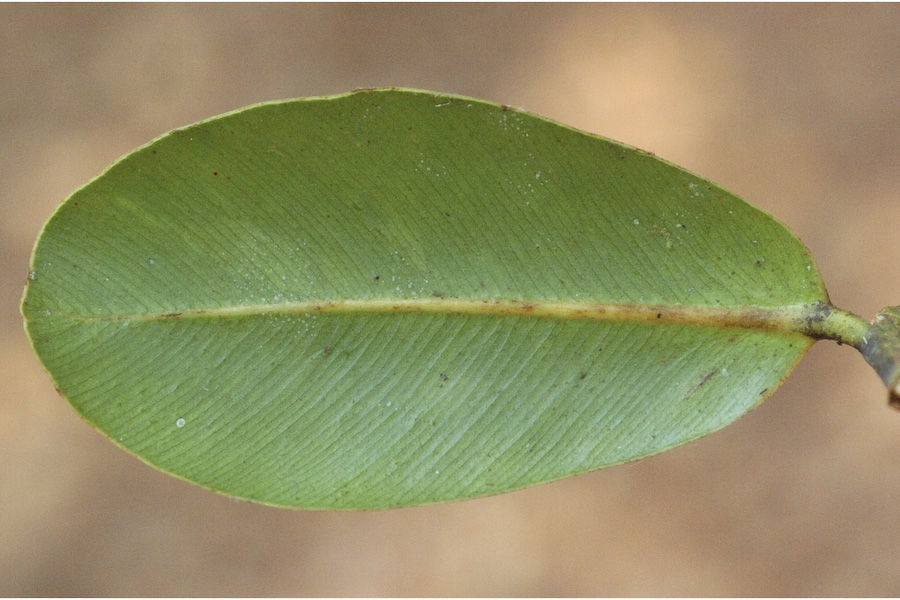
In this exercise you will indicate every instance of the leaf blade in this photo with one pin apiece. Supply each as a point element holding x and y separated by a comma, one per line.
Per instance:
<point>382,195</point>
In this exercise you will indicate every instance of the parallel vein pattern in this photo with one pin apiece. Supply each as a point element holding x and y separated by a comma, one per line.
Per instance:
<point>395,297</point>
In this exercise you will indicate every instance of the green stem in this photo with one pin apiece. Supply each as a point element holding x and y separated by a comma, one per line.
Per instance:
<point>823,321</point>
<point>878,342</point>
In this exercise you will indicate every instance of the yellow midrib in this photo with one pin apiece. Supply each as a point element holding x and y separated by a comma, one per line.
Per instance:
<point>786,318</point>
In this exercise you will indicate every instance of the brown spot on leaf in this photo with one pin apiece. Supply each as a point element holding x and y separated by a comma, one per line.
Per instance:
<point>703,382</point>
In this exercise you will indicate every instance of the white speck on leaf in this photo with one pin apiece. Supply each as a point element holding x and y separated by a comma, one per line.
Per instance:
<point>636,222</point>
<point>179,423</point>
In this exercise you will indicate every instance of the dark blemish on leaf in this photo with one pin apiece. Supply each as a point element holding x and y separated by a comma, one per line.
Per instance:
<point>438,295</point>
<point>172,315</point>
<point>215,173</point>
<point>446,214</point>
<point>505,107</point>
<point>377,277</point>
<point>327,350</point>
<point>659,315</point>
<point>703,382</point>
<point>582,375</point>
<point>819,313</point>
<point>763,392</point>
<point>758,262</point>
<point>444,377</point>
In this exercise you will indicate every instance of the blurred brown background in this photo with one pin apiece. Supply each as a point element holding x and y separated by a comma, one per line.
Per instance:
<point>794,107</point>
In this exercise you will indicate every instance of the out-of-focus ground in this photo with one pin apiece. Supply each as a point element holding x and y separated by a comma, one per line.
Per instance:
<point>793,107</point>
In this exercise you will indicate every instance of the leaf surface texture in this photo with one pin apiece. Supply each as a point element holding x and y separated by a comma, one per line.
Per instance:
<point>396,297</point>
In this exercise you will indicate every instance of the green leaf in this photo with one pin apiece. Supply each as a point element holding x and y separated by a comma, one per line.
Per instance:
<point>396,297</point>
